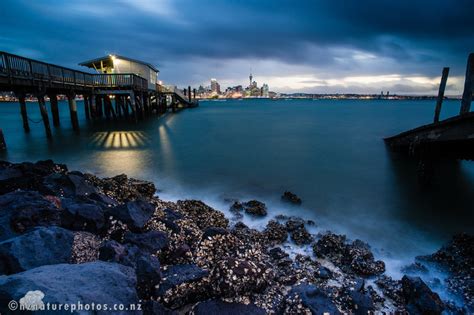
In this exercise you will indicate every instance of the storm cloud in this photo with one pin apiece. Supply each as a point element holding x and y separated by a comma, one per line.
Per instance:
<point>311,46</point>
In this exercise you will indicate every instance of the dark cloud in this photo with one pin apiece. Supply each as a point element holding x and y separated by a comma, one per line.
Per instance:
<point>414,37</point>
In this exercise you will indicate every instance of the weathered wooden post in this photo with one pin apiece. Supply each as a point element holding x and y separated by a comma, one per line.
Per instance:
<point>134,106</point>
<point>189,93</point>
<point>107,106</point>
<point>468,86</point>
<point>71,97</point>
<point>24,114</point>
<point>44,115</point>
<point>53,99</point>
<point>3,144</point>
<point>86,107</point>
<point>118,105</point>
<point>98,102</point>
<point>93,106</point>
<point>442,87</point>
<point>194,93</point>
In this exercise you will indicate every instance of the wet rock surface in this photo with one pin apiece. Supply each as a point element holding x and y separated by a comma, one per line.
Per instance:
<point>112,239</point>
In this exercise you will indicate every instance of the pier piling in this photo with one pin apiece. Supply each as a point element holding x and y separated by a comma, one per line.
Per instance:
<point>53,100</point>
<point>468,86</point>
<point>93,106</point>
<point>189,93</point>
<point>86,107</point>
<point>73,111</point>
<point>442,87</point>
<point>3,144</point>
<point>24,114</point>
<point>44,115</point>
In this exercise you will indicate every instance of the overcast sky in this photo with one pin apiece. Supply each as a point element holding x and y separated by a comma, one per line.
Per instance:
<point>361,46</point>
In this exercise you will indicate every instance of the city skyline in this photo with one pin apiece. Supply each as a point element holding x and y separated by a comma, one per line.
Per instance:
<point>322,47</point>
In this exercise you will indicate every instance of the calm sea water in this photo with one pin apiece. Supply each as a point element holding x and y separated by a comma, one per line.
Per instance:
<point>330,153</point>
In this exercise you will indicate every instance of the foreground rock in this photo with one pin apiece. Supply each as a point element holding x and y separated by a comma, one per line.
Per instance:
<point>457,257</point>
<point>23,210</point>
<point>310,297</point>
<point>96,282</point>
<point>419,298</point>
<point>252,207</point>
<point>41,246</point>
<point>353,257</point>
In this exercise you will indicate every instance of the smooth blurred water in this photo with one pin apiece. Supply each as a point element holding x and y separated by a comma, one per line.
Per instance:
<point>330,153</point>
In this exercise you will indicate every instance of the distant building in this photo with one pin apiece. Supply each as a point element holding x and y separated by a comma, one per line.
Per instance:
<point>120,64</point>
<point>265,90</point>
<point>215,86</point>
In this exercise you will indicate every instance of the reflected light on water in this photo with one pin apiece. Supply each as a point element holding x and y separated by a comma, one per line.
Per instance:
<point>119,140</point>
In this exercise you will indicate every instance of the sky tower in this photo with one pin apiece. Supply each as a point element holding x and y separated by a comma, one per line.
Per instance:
<point>250,77</point>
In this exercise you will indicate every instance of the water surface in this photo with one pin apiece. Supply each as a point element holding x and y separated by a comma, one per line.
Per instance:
<point>329,152</point>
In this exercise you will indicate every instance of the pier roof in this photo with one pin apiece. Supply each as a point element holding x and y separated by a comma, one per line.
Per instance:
<point>109,60</point>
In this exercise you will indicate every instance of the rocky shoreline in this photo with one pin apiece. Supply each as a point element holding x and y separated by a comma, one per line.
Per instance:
<point>77,237</point>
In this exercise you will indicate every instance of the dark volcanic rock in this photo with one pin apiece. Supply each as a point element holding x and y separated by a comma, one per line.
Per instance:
<point>457,256</point>
<point>83,217</point>
<point>219,307</point>
<point>122,188</point>
<point>290,197</point>
<point>151,241</point>
<point>27,176</point>
<point>68,185</point>
<point>276,232</point>
<point>311,297</point>
<point>234,276</point>
<point>415,268</point>
<point>294,223</point>
<point>353,257</point>
<point>419,298</point>
<point>301,236</point>
<point>22,210</point>
<point>176,275</point>
<point>213,231</point>
<point>255,207</point>
<point>133,213</point>
<point>277,253</point>
<point>323,273</point>
<point>41,246</point>
<point>95,282</point>
<point>202,215</point>
<point>147,267</point>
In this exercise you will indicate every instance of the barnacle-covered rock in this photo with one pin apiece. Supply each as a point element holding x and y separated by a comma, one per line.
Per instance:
<point>203,215</point>
<point>275,232</point>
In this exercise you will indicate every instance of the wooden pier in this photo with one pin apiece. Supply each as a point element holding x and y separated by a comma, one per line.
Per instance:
<point>109,96</point>
<point>452,138</point>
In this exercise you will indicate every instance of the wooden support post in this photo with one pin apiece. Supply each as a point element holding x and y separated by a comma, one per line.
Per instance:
<point>118,105</point>
<point>194,93</point>
<point>468,86</point>
<point>87,107</point>
<point>71,97</point>
<point>53,100</point>
<point>44,116</point>
<point>189,93</point>
<point>442,87</point>
<point>24,114</point>
<point>3,144</point>
<point>93,106</point>
<point>99,107</point>
<point>133,105</point>
<point>174,103</point>
<point>107,106</point>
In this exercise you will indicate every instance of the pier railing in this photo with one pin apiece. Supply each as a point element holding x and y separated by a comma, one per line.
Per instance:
<point>32,71</point>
